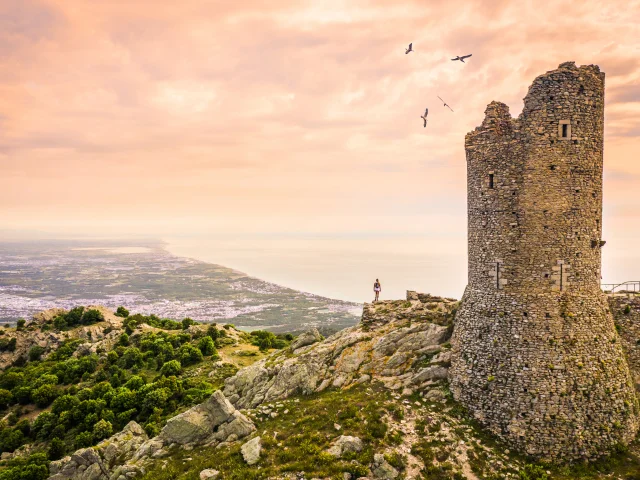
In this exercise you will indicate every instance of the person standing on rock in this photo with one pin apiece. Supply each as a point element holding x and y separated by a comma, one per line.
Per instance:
<point>377,288</point>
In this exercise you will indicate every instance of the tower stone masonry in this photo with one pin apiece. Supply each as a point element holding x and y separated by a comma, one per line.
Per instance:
<point>536,356</point>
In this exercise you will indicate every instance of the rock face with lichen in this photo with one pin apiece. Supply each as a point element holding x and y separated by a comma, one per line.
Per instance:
<point>102,461</point>
<point>536,357</point>
<point>399,343</point>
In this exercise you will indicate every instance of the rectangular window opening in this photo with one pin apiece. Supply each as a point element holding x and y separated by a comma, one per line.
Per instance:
<point>491,180</point>
<point>565,130</point>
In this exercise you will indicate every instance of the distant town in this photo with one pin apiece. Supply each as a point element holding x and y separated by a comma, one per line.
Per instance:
<point>146,279</point>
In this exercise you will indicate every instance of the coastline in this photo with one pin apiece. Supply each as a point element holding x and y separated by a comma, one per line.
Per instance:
<point>150,279</point>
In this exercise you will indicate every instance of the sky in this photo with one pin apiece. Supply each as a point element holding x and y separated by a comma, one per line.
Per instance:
<point>289,119</point>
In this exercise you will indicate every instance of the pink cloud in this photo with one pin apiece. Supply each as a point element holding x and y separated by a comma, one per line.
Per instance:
<point>158,111</point>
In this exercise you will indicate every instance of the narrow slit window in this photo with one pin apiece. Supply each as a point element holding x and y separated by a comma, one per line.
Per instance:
<point>565,130</point>
<point>491,180</point>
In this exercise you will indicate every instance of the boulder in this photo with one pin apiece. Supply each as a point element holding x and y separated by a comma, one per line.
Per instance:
<point>208,474</point>
<point>381,469</point>
<point>307,338</point>
<point>199,422</point>
<point>345,444</point>
<point>435,396</point>
<point>443,357</point>
<point>432,372</point>
<point>251,451</point>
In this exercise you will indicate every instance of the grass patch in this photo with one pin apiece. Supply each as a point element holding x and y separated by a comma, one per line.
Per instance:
<point>297,441</point>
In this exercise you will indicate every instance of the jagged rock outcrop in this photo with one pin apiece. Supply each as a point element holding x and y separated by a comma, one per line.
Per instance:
<point>307,338</point>
<point>213,421</point>
<point>102,461</point>
<point>394,343</point>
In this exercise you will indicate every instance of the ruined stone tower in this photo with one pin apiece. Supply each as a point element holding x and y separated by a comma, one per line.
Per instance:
<point>536,356</point>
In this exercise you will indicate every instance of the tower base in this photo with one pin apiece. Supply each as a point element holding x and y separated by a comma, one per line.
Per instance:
<point>544,372</point>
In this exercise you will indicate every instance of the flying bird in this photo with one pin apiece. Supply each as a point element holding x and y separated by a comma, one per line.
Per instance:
<point>461,58</point>
<point>445,104</point>
<point>410,49</point>
<point>424,117</point>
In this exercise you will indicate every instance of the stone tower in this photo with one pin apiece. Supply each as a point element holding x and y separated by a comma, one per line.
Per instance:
<point>536,356</point>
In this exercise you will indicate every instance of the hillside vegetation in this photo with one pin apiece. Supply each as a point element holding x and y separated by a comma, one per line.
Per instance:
<point>98,375</point>
<point>156,399</point>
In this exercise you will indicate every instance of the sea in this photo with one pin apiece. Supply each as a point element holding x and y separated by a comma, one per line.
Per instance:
<point>340,268</point>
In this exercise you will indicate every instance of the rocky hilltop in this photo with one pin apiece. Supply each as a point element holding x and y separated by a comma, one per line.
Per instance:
<point>369,402</point>
<point>402,345</point>
<point>99,335</point>
<point>398,343</point>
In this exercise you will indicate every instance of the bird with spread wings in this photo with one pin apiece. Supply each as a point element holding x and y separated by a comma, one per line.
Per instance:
<point>461,58</point>
<point>424,117</point>
<point>445,104</point>
<point>410,49</point>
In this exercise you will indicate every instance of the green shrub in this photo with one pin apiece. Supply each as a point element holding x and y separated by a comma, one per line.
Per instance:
<point>102,430</point>
<point>132,358</point>
<point>156,399</point>
<point>35,353</point>
<point>83,440</point>
<point>92,316</point>
<point>396,460</point>
<point>22,395</point>
<point>189,355</point>
<point>45,379</point>
<point>11,379</point>
<point>207,347</point>
<point>7,344</point>
<point>21,323</point>
<point>187,322</point>
<point>532,472</point>
<point>44,395</point>
<point>213,332</point>
<point>152,429</point>
<point>627,309</point>
<point>64,403</point>
<point>56,449</point>
<point>135,383</point>
<point>377,429</point>
<point>122,312</point>
<point>170,368</point>
<point>59,323</point>
<point>6,398</point>
<point>33,467</point>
